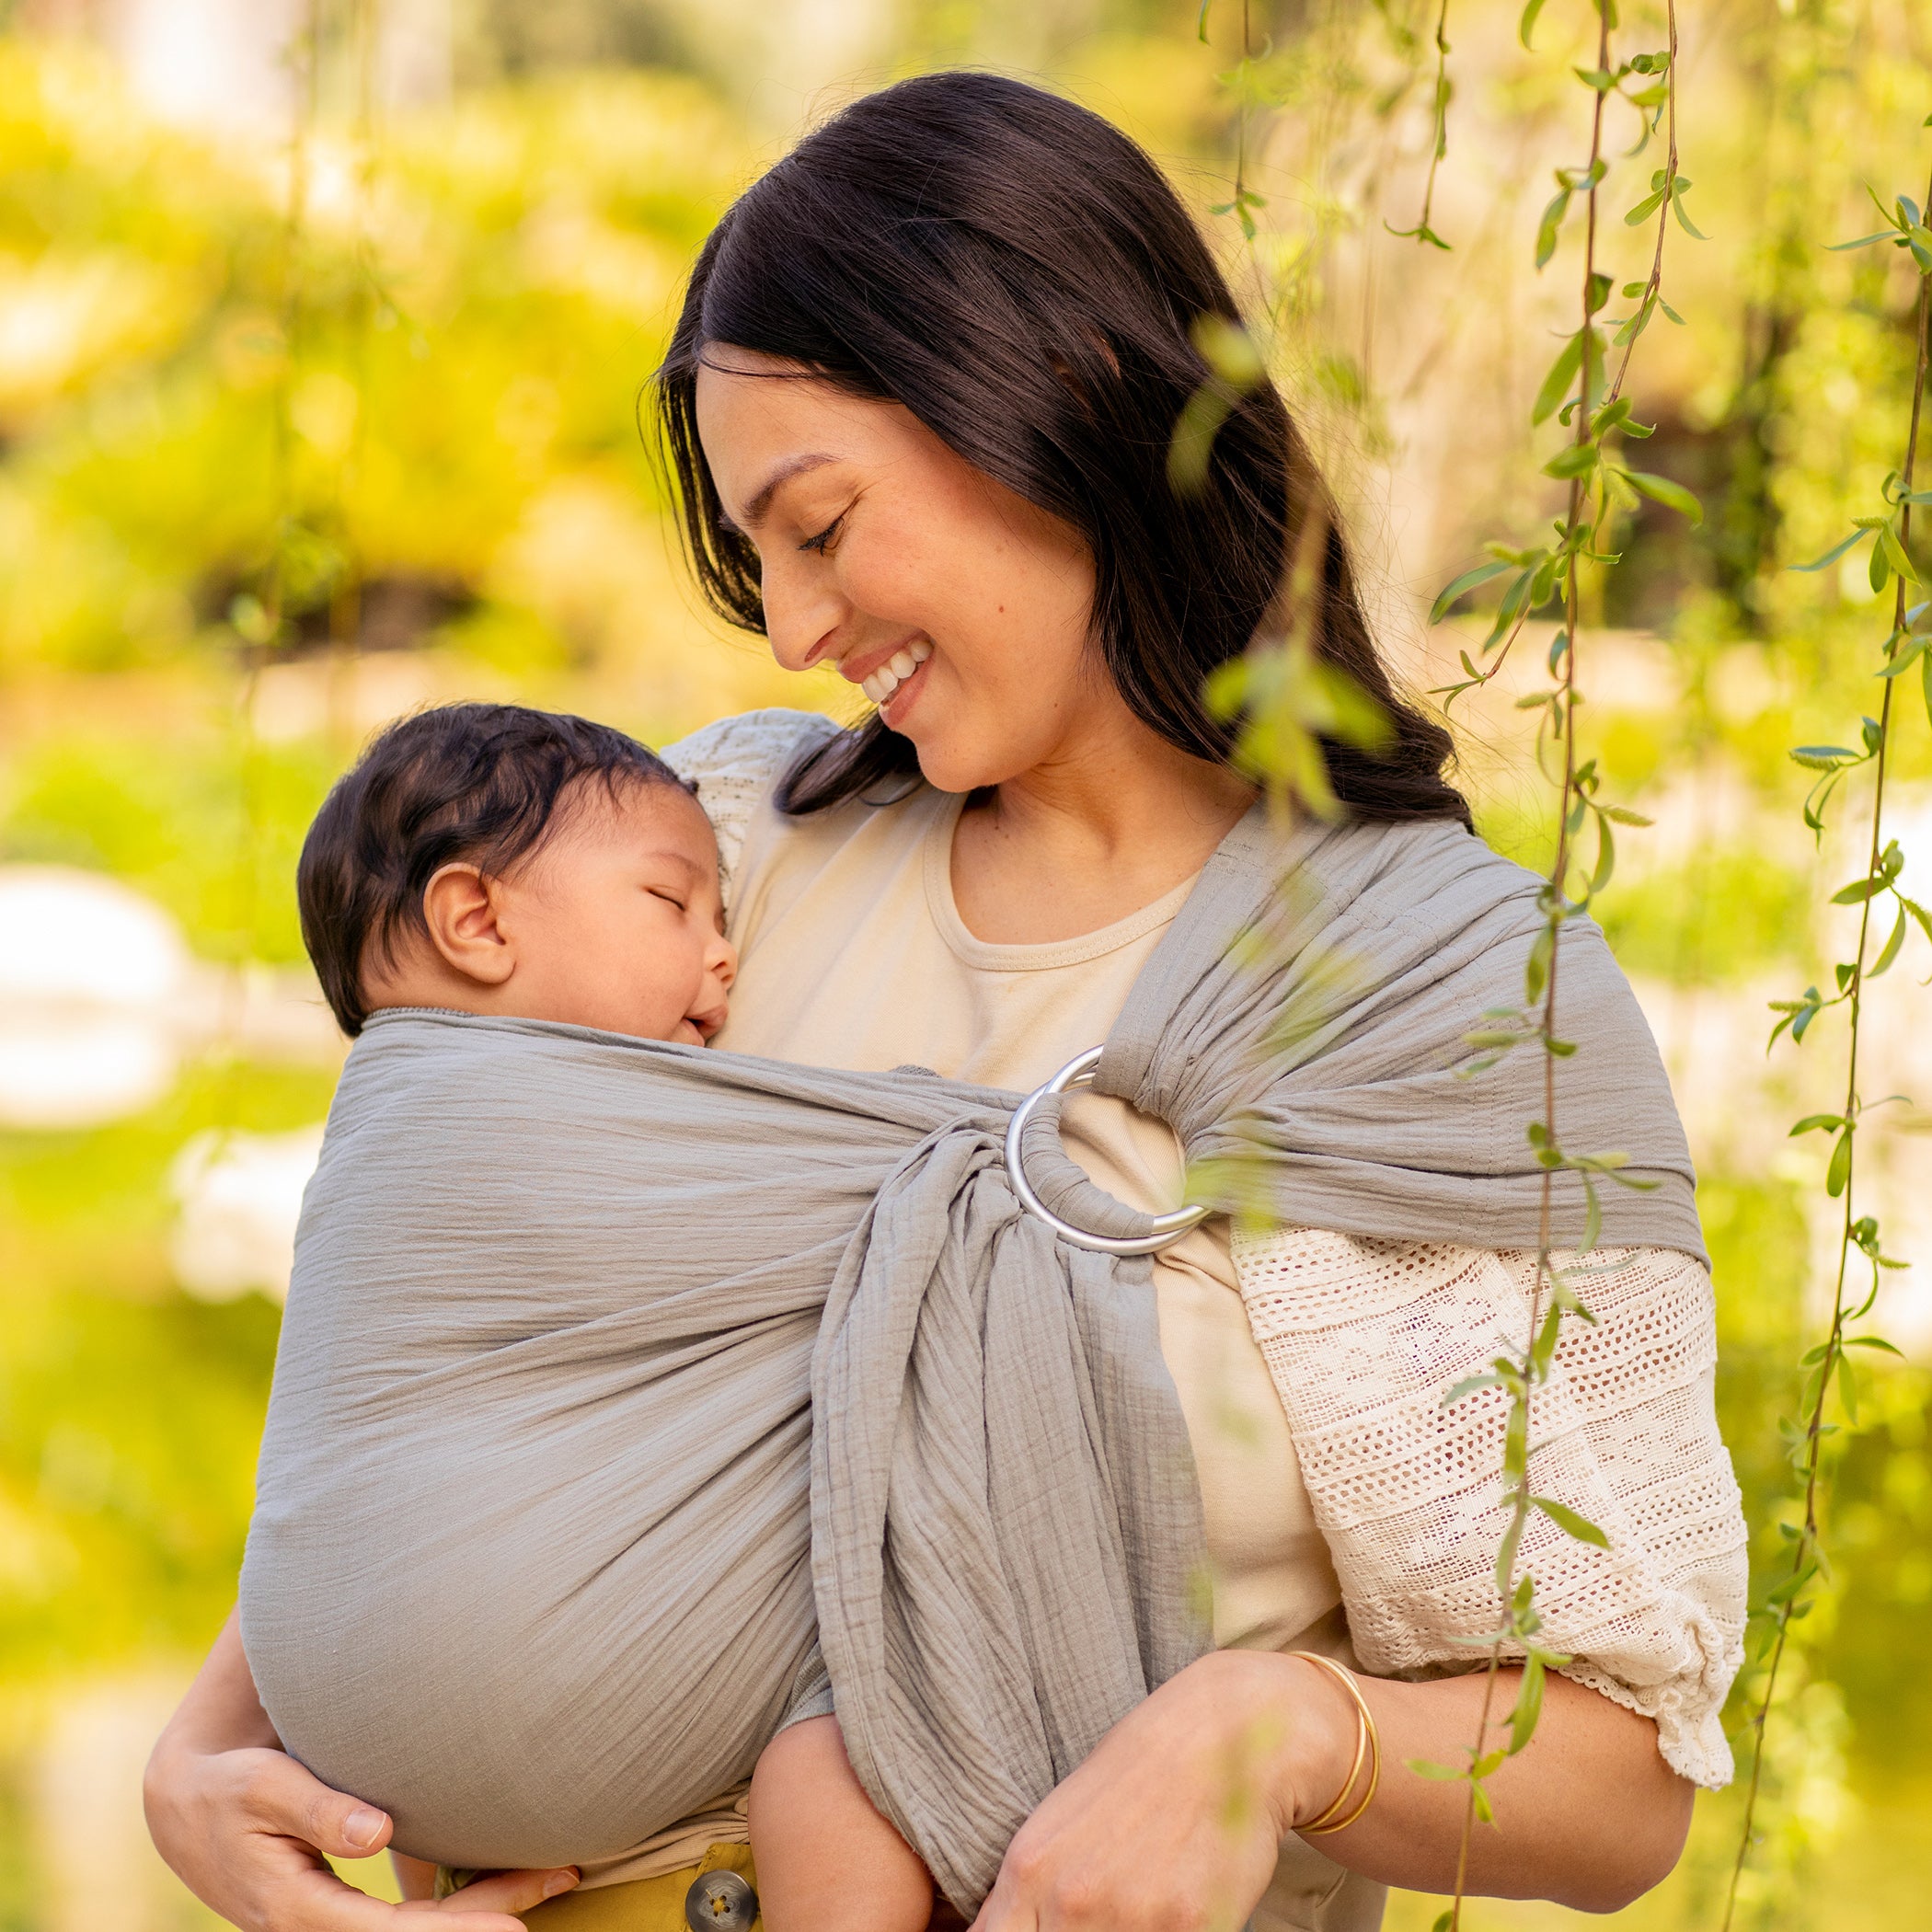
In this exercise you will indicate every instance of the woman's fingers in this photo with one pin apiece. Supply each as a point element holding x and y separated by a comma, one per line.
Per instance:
<point>507,1891</point>
<point>1173,1823</point>
<point>281,1797</point>
<point>1006,1910</point>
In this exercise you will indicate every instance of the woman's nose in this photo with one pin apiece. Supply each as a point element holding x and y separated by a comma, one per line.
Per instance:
<point>804,611</point>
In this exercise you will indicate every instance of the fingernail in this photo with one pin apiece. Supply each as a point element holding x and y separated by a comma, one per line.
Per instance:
<point>362,1826</point>
<point>558,1881</point>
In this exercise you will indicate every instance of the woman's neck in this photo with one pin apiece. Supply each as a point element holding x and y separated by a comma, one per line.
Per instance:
<point>1111,824</point>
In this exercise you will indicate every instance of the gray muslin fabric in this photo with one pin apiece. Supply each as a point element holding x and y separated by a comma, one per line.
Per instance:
<point>631,1393</point>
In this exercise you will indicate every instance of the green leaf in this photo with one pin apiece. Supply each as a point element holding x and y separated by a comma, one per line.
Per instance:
<point>1848,1387</point>
<point>1858,891</point>
<point>1684,220</point>
<point>1506,1551</point>
<point>1835,553</point>
<point>1574,459</point>
<point>1528,25</point>
<point>1813,1122</point>
<point>1556,384</point>
<point>1440,1773</point>
<point>1465,583</point>
<point>1839,1171</point>
<point>1895,553</point>
<point>1892,946</point>
<point>1567,1520</point>
<point>1864,241</point>
<point>1468,1386</point>
<point>1644,210</point>
<point>1536,971</point>
<point>1546,229</point>
<point>1873,1341</point>
<point>1673,496</point>
<point>1529,1704</point>
<point>1904,660</point>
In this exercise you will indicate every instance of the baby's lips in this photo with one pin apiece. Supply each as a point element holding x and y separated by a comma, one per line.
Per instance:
<point>709,1021</point>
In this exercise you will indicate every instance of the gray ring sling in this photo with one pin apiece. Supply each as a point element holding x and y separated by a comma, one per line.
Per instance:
<point>634,1398</point>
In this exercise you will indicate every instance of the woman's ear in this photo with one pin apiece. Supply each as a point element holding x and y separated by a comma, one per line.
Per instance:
<point>461,907</point>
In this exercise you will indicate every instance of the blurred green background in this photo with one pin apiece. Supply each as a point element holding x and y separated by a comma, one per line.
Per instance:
<point>322,328</point>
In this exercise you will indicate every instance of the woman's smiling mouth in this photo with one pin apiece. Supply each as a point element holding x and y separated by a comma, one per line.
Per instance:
<point>881,685</point>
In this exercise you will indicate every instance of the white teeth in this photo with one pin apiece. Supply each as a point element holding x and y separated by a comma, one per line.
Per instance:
<point>894,671</point>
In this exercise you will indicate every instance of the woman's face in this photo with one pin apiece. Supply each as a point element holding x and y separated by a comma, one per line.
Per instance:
<point>963,609</point>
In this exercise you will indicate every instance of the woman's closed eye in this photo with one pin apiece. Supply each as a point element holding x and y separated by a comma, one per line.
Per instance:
<point>823,541</point>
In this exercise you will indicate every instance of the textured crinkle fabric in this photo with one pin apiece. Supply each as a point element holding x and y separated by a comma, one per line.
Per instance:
<point>1364,1337</point>
<point>604,1357</point>
<point>609,1364</point>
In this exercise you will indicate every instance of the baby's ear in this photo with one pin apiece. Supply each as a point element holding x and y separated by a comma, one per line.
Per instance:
<point>460,907</point>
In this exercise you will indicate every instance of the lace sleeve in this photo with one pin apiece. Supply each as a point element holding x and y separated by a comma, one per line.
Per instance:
<point>735,763</point>
<point>1364,1337</point>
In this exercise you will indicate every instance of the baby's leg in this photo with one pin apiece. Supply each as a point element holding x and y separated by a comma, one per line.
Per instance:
<point>827,1861</point>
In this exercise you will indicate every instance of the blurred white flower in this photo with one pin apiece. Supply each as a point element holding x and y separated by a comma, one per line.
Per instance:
<point>238,1197</point>
<point>101,1002</point>
<point>91,975</point>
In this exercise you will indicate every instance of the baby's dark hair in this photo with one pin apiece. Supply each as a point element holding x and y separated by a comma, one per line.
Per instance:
<point>478,782</point>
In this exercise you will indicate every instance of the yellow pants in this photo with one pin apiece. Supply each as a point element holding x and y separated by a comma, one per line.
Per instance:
<point>644,1904</point>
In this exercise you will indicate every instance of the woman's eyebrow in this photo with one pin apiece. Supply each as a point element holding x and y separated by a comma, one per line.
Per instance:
<point>792,466</point>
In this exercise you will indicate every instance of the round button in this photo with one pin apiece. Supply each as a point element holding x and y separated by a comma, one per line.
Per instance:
<point>720,1902</point>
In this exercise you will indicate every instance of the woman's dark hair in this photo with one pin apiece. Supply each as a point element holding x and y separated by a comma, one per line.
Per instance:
<point>485,783</point>
<point>1019,275</point>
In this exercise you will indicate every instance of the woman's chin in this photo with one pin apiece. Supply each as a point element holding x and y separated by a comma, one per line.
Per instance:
<point>949,760</point>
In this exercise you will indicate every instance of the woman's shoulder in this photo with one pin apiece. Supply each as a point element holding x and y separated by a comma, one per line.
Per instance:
<point>735,762</point>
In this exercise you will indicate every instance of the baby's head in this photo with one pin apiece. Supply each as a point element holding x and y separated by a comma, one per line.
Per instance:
<point>500,860</point>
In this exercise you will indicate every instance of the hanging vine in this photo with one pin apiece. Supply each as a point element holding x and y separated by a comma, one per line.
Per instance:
<point>1584,396</point>
<point>1829,1365</point>
<point>1439,144</point>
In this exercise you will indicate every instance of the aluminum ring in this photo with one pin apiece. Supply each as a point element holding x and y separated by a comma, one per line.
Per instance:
<point>1167,1228</point>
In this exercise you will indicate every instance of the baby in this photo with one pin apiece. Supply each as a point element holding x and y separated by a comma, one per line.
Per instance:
<point>495,860</point>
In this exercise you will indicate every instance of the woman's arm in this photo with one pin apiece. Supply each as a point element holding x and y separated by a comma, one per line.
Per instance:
<point>246,1828</point>
<point>1176,1818</point>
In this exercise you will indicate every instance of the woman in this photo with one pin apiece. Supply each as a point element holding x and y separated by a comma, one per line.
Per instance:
<point>919,403</point>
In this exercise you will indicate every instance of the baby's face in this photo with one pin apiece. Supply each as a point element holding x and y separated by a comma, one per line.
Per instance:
<point>617,921</point>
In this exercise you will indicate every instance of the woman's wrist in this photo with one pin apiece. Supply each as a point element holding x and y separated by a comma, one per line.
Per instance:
<point>1290,1731</point>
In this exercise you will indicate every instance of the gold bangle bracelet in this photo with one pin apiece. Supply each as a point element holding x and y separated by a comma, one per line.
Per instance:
<point>1368,1744</point>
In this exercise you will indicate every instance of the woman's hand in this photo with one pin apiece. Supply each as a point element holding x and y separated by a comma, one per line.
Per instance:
<point>246,1828</point>
<point>1172,1824</point>
<point>1176,1820</point>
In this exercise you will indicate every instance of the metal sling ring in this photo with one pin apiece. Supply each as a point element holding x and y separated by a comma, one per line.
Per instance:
<point>1167,1228</point>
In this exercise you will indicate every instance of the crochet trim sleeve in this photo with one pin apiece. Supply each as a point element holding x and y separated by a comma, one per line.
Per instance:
<point>1363,1338</point>
<point>735,763</point>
